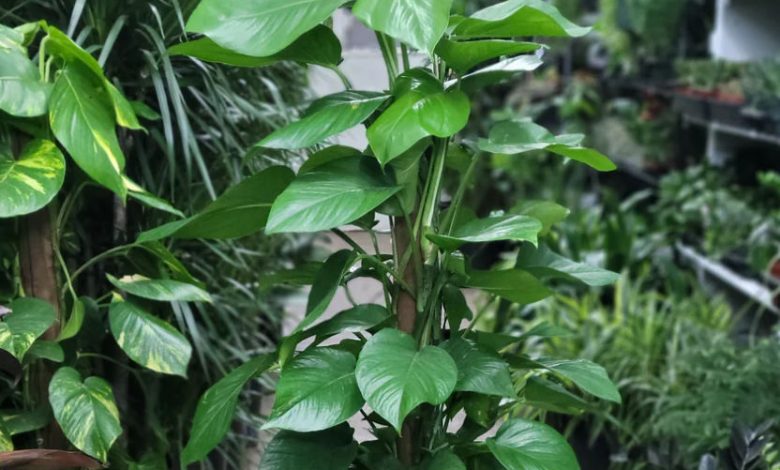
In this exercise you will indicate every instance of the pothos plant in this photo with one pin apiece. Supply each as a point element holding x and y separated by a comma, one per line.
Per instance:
<point>411,368</point>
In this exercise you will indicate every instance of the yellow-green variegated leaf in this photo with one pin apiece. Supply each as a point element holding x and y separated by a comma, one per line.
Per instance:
<point>82,118</point>
<point>28,320</point>
<point>32,181</point>
<point>163,290</point>
<point>22,93</point>
<point>148,340</point>
<point>86,411</point>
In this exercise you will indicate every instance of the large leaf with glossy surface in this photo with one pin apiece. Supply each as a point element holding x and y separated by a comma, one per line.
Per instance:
<point>419,23</point>
<point>85,411</point>
<point>326,117</point>
<point>543,262</point>
<point>163,290</point>
<point>258,28</point>
<point>31,181</point>
<point>395,377</point>
<point>516,18</point>
<point>148,340</point>
<point>523,444</point>
<point>316,390</point>
<point>82,119</point>
<point>462,56</point>
<point>588,376</point>
<point>60,45</point>
<point>513,284</point>
<point>28,320</point>
<point>332,449</point>
<point>217,408</point>
<point>490,229</point>
<point>444,114</point>
<point>318,46</point>
<point>329,196</point>
<point>397,129</point>
<point>479,370</point>
<point>242,210</point>
<point>22,93</point>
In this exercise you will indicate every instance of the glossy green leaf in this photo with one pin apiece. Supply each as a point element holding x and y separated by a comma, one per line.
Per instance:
<point>82,119</point>
<point>31,181</point>
<point>514,285</point>
<point>462,56</point>
<point>28,320</point>
<point>85,411</point>
<point>329,196</point>
<point>455,306</point>
<point>497,73</point>
<point>148,199</point>
<point>18,421</point>
<point>588,376</point>
<point>550,396</point>
<point>326,283</point>
<point>490,229</point>
<point>326,117</point>
<point>58,44</point>
<point>258,28</point>
<point>397,129</point>
<point>123,110</point>
<point>217,408</point>
<point>443,460</point>
<point>524,444</point>
<point>49,350</point>
<point>327,155</point>
<point>318,46</point>
<point>516,18</point>
<point>353,320</point>
<point>395,377</point>
<point>547,212</point>
<point>332,449</point>
<point>521,136</point>
<point>444,114</point>
<point>241,210</point>
<point>419,79</point>
<point>419,23</point>
<point>316,390</point>
<point>544,263</point>
<point>22,93</point>
<point>148,340</point>
<point>479,370</point>
<point>164,290</point>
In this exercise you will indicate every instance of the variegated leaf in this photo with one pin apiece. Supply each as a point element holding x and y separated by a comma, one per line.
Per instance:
<point>32,181</point>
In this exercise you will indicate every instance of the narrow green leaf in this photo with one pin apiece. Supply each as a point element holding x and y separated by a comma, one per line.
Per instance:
<point>516,18</point>
<point>22,93</point>
<point>397,129</point>
<point>316,390</point>
<point>148,340</point>
<point>462,56</point>
<point>86,411</point>
<point>318,46</point>
<point>148,199</point>
<point>514,285</point>
<point>520,443</point>
<point>217,407</point>
<point>547,212</point>
<point>419,23</point>
<point>82,119</point>
<point>329,196</point>
<point>332,449</point>
<point>28,320</point>
<point>325,285</point>
<point>258,28</point>
<point>30,182</point>
<point>490,229</point>
<point>479,370</point>
<point>395,377</point>
<point>164,290</point>
<point>353,320</point>
<point>444,114</point>
<point>588,376</point>
<point>544,263</point>
<point>326,117</point>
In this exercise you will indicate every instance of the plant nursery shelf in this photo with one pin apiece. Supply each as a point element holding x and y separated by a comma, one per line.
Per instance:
<point>750,288</point>
<point>745,133</point>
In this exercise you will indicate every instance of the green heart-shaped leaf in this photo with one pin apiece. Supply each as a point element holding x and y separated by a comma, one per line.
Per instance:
<point>444,114</point>
<point>30,182</point>
<point>419,23</point>
<point>397,129</point>
<point>520,443</point>
<point>22,93</point>
<point>28,320</point>
<point>479,370</point>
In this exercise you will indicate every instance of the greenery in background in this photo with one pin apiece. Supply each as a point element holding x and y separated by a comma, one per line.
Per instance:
<point>761,83</point>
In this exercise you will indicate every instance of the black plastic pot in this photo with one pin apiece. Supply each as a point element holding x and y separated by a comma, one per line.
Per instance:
<point>692,106</point>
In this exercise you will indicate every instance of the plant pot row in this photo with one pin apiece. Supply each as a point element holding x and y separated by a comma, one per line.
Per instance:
<point>724,109</point>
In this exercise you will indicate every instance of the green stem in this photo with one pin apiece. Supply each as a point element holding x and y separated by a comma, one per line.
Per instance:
<point>387,47</point>
<point>457,201</point>
<point>116,251</point>
<point>42,58</point>
<point>344,79</point>
<point>349,241</point>
<point>431,196</point>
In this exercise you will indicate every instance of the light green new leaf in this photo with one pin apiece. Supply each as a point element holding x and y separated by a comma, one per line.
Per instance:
<point>516,18</point>
<point>326,117</point>
<point>163,290</point>
<point>588,376</point>
<point>543,262</point>
<point>353,320</point>
<point>86,411</point>
<point>32,181</point>
<point>28,320</point>
<point>397,129</point>
<point>514,285</point>
<point>316,391</point>
<point>332,449</point>
<point>22,93</point>
<point>547,212</point>
<point>419,23</point>
<point>444,114</point>
<point>11,38</point>
<point>524,444</point>
<point>82,119</point>
<point>329,196</point>
<point>242,210</point>
<point>217,408</point>
<point>521,136</point>
<point>395,377</point>
<point>318,46</point>
<point>148,340</point>
<point>462,56</point>
<point>326,282</point>
<point>258,28</point>
<point>443,460</point>
<point>490,229</point>
<point>479,370</point>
